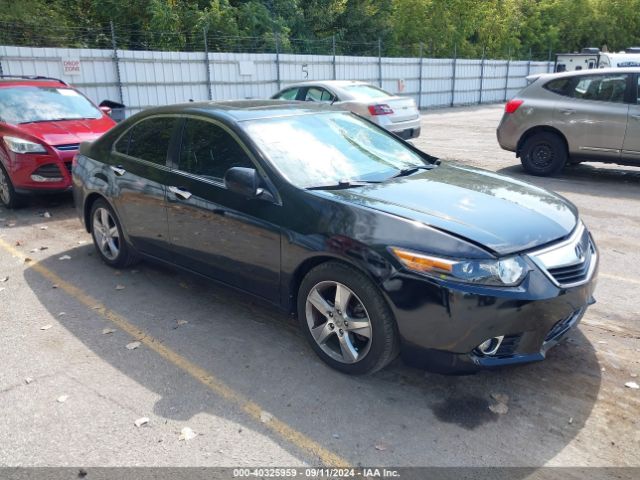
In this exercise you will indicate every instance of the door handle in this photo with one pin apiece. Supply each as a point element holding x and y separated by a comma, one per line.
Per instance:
<point>637,117</point>
<point>119,171</point>
<point>568,111</point>
<point>180,193</point>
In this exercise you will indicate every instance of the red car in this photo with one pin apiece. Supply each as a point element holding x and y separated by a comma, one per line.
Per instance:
<point>42,122</point>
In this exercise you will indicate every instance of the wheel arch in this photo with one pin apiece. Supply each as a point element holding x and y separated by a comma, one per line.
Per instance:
<point>540,129</point>
<point>310,263</point>
<point>88,204</point>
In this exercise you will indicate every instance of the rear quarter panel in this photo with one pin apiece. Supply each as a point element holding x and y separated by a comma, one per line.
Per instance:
<point>536,111</point>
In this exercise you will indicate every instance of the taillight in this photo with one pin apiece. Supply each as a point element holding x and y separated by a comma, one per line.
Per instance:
<point>381,109</point>
<point>513,105</point>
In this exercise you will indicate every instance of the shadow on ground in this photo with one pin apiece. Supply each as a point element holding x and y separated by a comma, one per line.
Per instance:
<point>594,179</point>
<point>418,418</point>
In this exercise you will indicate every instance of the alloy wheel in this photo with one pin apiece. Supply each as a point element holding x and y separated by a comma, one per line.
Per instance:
<point>338,322</point>
<point>106,233</point>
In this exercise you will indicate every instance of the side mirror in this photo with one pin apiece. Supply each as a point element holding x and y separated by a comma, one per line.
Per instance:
<point>246,182</point>
<point>106,110</point>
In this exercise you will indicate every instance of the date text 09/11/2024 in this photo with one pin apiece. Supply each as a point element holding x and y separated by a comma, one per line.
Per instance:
<point>316,472</point>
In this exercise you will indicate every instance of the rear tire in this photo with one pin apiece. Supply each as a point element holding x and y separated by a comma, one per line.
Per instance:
<point>352,331</point>
<point>8,195</point>
<point>543,154</point>
<point>108,237</point>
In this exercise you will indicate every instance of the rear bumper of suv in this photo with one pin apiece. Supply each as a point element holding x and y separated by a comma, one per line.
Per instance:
<point>508,134</point>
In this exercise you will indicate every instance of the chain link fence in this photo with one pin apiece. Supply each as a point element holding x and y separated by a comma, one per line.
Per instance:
<point>155,68</point>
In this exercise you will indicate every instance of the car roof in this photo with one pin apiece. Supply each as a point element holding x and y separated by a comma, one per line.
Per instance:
<point>592,71</point>
<point>326,83</point>
<point>31,81</point>
<point>338,87</point>
<point>243,110</point>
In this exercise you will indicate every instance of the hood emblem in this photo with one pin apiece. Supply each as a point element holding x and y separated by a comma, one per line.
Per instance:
<point>579,251</point>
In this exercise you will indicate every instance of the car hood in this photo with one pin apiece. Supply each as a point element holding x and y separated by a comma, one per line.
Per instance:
<point>500,213</point>
<point>67,131</point>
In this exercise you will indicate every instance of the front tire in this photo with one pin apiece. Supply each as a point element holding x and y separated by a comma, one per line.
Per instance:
<point>8,195</point>
<point>544,154</point>
<point>346,320</point>
<point>108,237</point>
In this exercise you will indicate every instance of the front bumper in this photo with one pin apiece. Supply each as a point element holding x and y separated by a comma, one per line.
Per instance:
<point>23,167</point>
<point>441,324</point>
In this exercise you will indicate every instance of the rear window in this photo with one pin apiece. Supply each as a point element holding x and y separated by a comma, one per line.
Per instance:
<point>366,92</point>
<point>44,104</point>
<point>558,86</point>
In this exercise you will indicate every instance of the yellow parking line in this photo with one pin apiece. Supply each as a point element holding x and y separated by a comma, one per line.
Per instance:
<point>616,277</point>
<point>252,409</point>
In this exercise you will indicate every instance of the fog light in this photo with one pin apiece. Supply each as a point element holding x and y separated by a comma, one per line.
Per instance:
<point>491,346</point>
<point>40,178</point>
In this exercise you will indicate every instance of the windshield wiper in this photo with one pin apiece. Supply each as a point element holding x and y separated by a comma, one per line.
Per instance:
<point>342,184</point>
<point>413,169</point>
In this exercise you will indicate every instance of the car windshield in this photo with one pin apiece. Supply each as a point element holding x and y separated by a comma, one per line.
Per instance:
<point>328,148</point>
<point>365,92</point>
<point>41,104</point>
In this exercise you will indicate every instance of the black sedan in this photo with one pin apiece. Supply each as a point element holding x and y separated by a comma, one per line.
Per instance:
<point>377,247</point>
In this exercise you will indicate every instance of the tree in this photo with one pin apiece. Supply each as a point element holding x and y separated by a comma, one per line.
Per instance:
<point>499,26</point>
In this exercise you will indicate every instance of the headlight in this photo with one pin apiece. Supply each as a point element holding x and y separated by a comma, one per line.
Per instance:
<point>503,272</point>
<point>20,145</point>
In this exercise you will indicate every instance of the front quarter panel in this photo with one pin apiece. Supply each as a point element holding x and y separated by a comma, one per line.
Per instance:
<point>321,228</point>
<point>89,178</point>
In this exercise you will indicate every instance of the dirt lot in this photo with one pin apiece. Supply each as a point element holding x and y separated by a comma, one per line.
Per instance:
<point>240,375</point>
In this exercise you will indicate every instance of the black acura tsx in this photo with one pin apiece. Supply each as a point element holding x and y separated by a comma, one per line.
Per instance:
<point>377,247</point>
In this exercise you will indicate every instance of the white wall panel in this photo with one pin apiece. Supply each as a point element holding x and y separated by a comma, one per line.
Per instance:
<point>150,78</point>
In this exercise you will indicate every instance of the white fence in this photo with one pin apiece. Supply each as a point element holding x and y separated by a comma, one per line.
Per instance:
<point>141,79</point>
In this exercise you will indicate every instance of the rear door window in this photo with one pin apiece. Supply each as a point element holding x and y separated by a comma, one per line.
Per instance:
<point>149,140</point>
<point>602,88</point>
<point>290,94</point>
<point>317,94</point>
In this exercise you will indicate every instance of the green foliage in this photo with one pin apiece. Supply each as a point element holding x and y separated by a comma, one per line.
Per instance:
<point>497,28</point>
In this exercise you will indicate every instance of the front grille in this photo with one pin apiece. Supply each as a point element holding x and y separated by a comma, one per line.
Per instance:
<point>579,271</point>
<point>70,147</point>
<point>508,345</point>
<point>571,262</point>
<point>572,274</point>
<point>50,170</point>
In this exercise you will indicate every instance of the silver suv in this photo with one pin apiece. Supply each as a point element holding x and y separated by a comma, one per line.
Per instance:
<point>573,117</point>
